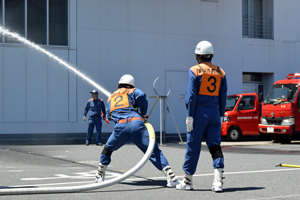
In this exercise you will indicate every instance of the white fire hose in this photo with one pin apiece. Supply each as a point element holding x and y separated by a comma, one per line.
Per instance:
<point>46,190</point>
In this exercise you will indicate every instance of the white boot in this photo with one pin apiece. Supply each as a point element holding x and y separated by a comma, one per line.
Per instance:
<point>218,181</point>
<point>172,180</point>
<point>100,175</point>
<point>186,183</point>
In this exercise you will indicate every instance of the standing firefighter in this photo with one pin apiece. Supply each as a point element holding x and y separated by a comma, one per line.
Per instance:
<point>123,106</point>
<point>96,108</point>
<point>205,103</point>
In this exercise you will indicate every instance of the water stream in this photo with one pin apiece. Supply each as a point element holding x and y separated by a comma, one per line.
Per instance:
<point>54,57</point>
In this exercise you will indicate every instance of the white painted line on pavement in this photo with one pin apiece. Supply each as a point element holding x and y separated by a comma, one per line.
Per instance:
<point>51,184</point>
<point>12,170</point>
<point>225,173</point>
<point>159,178</point>
<point>277,197</point>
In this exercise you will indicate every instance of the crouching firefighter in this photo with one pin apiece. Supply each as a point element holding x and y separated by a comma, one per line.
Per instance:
<point>130,127</point>
<point>205,101</point>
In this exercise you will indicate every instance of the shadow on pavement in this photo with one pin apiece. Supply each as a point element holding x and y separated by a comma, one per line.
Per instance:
<point>242,189</point>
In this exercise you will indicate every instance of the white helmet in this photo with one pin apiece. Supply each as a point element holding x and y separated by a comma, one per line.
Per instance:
<point>204,48</point>
<point>127,79</point>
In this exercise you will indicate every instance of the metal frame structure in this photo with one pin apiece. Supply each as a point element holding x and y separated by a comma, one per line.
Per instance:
<point>162,99</point>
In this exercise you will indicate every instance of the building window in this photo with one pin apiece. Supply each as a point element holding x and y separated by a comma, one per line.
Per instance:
<point>43,22</point>
<point>15,18</point>
<point>258,19</point>
<point>252,77</point>
<point>58,22</point>
<point>37,21</point>
<point>1,20</point>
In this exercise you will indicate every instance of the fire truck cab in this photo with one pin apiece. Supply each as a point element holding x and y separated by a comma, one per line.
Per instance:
<point>280,114</point>
<point>242,116</point>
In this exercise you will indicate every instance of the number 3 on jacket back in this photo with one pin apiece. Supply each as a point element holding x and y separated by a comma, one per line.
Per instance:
<point>210,84</point>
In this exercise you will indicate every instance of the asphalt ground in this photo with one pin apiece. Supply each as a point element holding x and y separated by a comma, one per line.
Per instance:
<point>250,171</point>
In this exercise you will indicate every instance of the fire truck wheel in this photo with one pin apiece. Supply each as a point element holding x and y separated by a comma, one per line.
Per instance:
<point>283,139</point>
<point>275,138</point>
<point>234,134</point>
<point>286,139</point>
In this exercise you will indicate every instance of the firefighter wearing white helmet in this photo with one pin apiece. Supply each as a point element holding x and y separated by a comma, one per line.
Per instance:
<point>127,107</point>
<point>127,79</point>
<point>205,101</point>
<point>204,48</point>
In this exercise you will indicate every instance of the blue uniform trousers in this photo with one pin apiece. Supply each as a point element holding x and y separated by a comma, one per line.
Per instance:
<point>137,133</point>
<point>206,125</point>
<point>94,121</point>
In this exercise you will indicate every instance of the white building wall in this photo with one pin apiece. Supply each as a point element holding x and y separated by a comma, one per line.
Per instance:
<point>1,86</point>
<point>145,38</point>
<point>36,87</point>
<point>14,72</point>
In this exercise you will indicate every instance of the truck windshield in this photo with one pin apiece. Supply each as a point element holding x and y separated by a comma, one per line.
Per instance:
<point>230,103</point>
<point>278,93</point>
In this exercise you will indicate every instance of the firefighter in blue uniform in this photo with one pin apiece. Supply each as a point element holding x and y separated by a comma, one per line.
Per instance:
<point>127,108</point>
<point>96,109</point>
<point>205,103</point>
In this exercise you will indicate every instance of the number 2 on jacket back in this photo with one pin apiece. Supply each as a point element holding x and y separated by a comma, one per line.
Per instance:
<point>119,101</point>
<point>210,84</point>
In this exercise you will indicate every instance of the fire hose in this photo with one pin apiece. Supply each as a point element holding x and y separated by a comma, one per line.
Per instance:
<point>69,189</point>
<point>287,165</point>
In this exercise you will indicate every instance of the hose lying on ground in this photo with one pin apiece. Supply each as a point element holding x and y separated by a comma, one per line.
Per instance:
<point>47,190</point>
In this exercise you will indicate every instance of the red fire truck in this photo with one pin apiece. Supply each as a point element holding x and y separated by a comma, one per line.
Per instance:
<point>280,115</point>
<point>242,116</point>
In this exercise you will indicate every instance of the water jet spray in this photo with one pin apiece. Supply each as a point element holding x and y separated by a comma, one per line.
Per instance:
<point>54,57</point>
